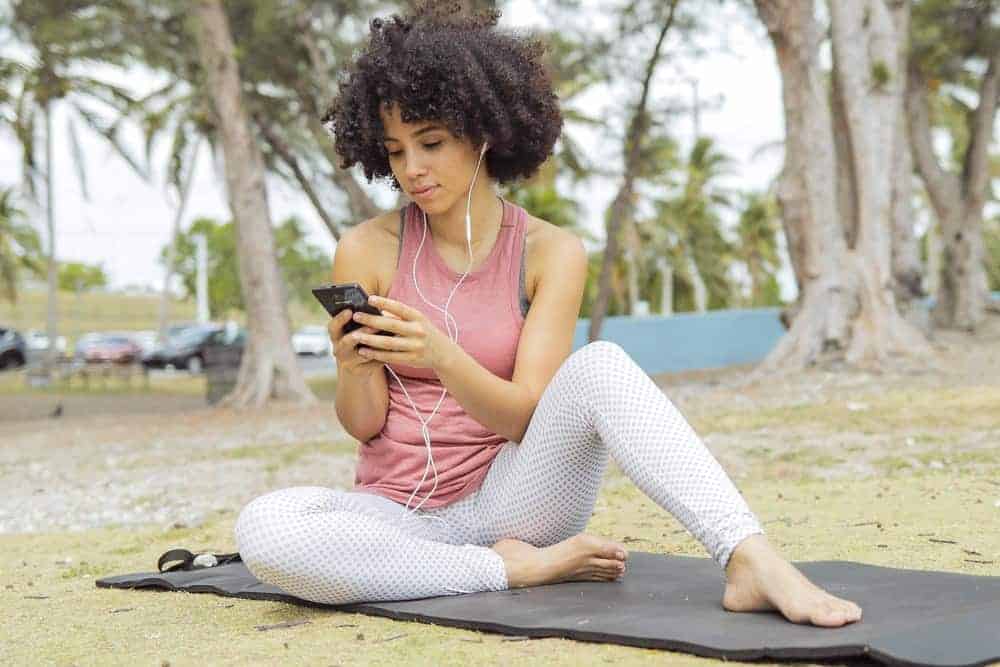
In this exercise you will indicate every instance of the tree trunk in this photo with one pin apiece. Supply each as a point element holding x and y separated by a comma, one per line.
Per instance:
<point>623,206</point>
<point>907,270</point>
<point>933,283</point>
<point>958,200</point>
<point>666,286</point>
<point>698,289</point>
<point>631,268</point>
<point>846,304</point>
<point>269,368</point>
<point>52,301</point>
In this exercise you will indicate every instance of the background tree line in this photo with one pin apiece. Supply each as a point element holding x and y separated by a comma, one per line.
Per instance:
<point>899,122</point>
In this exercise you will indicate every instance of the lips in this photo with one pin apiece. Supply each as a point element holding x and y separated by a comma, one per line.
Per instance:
<point>424,191</point>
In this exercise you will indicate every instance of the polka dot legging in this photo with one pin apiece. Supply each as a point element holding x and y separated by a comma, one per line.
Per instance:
<point>337,547</point>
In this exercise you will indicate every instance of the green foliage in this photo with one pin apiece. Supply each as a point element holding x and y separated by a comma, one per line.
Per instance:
<point>757,248</point>
<point>224,292</point>
<point>686,226</point>
<point>303,264</point>
<point>880,75</point>
<point>81,277</point>
<point>991,238</point>
<point>20,247</point>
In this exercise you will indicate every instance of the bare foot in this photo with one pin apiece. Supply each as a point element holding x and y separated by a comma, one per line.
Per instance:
<point>758,579</point>
<point>580,558</point>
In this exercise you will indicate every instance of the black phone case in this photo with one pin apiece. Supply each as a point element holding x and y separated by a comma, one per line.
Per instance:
<point>334,298</point>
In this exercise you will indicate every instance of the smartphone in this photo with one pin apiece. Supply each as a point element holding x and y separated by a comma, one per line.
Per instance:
<point>334,298</point>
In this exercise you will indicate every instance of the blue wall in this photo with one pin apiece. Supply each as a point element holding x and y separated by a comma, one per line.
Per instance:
<point>689,341</point>
<point>686,341</point>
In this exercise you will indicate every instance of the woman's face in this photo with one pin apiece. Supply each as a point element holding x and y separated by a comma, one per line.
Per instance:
<point>431,165</point>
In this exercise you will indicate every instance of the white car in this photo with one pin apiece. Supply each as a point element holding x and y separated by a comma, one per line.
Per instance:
<point>38,341</point>
<point>311,340</point>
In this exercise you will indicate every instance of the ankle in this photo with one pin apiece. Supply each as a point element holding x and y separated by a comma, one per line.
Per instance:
<point>751,550</point>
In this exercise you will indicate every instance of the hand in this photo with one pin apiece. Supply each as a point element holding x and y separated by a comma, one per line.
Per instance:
<point>418,342</point>
<point>345,346</point>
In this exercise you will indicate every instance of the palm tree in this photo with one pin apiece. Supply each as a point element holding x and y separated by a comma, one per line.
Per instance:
<point>758,244</point>
<point>691,237</point>
<point>58,37</point>
<point>20,248</point>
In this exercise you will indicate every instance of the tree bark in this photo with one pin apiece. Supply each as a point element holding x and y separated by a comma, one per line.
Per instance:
<point>699,290</point>
<point>623,205</point>
<point>269,368</point>
<point>907,270</point>
<point>846,304</point>
<point>278,145</point>
<point>958,200</point>
<point>666,286</point>
<point>52,301</point>
<point>360,204</point>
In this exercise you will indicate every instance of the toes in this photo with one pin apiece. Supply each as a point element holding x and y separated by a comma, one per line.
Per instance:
<point>607,565</point>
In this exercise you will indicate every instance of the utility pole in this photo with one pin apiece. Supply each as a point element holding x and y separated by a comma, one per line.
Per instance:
<point>201,257</point>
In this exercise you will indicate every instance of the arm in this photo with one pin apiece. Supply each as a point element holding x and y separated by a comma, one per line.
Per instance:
<point>546,340</point>
<point>362,400</point>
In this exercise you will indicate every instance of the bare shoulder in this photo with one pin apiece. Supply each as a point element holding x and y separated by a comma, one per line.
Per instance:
<point>547,247</point>
<point>369,251</point>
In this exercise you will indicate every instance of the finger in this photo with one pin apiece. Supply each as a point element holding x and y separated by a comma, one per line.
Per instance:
<point>391,343</point>
<point>385,356</point>
<point>337,323</point>
<point>395,307</point>
<point>383,323</point>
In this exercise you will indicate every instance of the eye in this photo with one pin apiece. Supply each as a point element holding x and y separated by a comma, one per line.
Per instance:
<point>394,153</point>
<point>433,145</point>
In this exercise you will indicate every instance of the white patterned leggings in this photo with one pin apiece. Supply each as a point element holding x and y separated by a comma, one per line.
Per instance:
<point>338,547</point>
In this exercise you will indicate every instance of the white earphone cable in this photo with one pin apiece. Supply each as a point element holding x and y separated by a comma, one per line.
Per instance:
<point>448,319</point>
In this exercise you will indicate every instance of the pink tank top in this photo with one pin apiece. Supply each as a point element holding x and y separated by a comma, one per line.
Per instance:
<point>488,308</point>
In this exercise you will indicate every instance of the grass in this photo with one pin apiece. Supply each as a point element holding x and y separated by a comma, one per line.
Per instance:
<point>897,410</point>
<point>880,521</point>
<point>931,504</point>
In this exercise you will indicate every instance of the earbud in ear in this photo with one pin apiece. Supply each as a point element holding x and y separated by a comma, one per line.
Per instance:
<point>485,146</point>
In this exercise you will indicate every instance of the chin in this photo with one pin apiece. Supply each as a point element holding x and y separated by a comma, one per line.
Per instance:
<point>437,206</point>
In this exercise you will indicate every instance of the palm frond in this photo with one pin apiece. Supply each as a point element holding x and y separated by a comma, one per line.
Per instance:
<point>79,160</point>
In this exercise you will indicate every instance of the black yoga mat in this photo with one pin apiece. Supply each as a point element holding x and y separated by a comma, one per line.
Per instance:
<point>911,617</point>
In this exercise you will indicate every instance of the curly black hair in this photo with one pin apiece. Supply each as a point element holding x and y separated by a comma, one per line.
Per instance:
<point>462,71</point>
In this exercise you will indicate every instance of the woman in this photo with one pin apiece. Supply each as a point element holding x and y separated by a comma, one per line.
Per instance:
<point>482,455</point>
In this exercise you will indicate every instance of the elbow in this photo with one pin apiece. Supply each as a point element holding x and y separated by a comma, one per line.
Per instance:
<point>526,422</point>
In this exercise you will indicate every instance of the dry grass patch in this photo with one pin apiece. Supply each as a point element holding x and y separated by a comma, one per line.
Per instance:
<point>890,522</point>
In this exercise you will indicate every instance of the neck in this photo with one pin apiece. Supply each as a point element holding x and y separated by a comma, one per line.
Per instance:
<point>487,213</point>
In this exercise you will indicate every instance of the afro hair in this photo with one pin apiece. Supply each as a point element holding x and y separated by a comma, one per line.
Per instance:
<point>461,71</point>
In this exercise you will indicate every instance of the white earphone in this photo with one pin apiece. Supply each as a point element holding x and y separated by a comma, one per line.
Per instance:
<point>454,338</point>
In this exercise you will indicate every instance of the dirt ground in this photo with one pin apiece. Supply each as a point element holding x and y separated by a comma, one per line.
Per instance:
<point>900,468</point>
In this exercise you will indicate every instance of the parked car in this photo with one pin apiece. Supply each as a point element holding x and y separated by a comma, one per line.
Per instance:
<point>185,349</point>
<point>114,348</point>
<point>311,340</point>
<point>38,341</point>
<point>84,342</point>
<point>13,349</point>
<point>147,340</point>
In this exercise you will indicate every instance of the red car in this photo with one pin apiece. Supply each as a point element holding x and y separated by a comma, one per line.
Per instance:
<point>114,349</point>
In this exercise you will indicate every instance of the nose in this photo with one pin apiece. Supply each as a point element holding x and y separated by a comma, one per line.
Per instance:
<point>414,168</point>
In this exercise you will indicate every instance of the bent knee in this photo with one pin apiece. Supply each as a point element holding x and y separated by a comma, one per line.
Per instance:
<point>597,362</point>
<point>263,522</point>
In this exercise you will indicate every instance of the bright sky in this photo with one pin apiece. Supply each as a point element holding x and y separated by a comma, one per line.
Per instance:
<point>127,221</point>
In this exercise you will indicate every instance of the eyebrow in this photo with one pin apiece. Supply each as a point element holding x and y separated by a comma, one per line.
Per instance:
<point>423,130</point>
